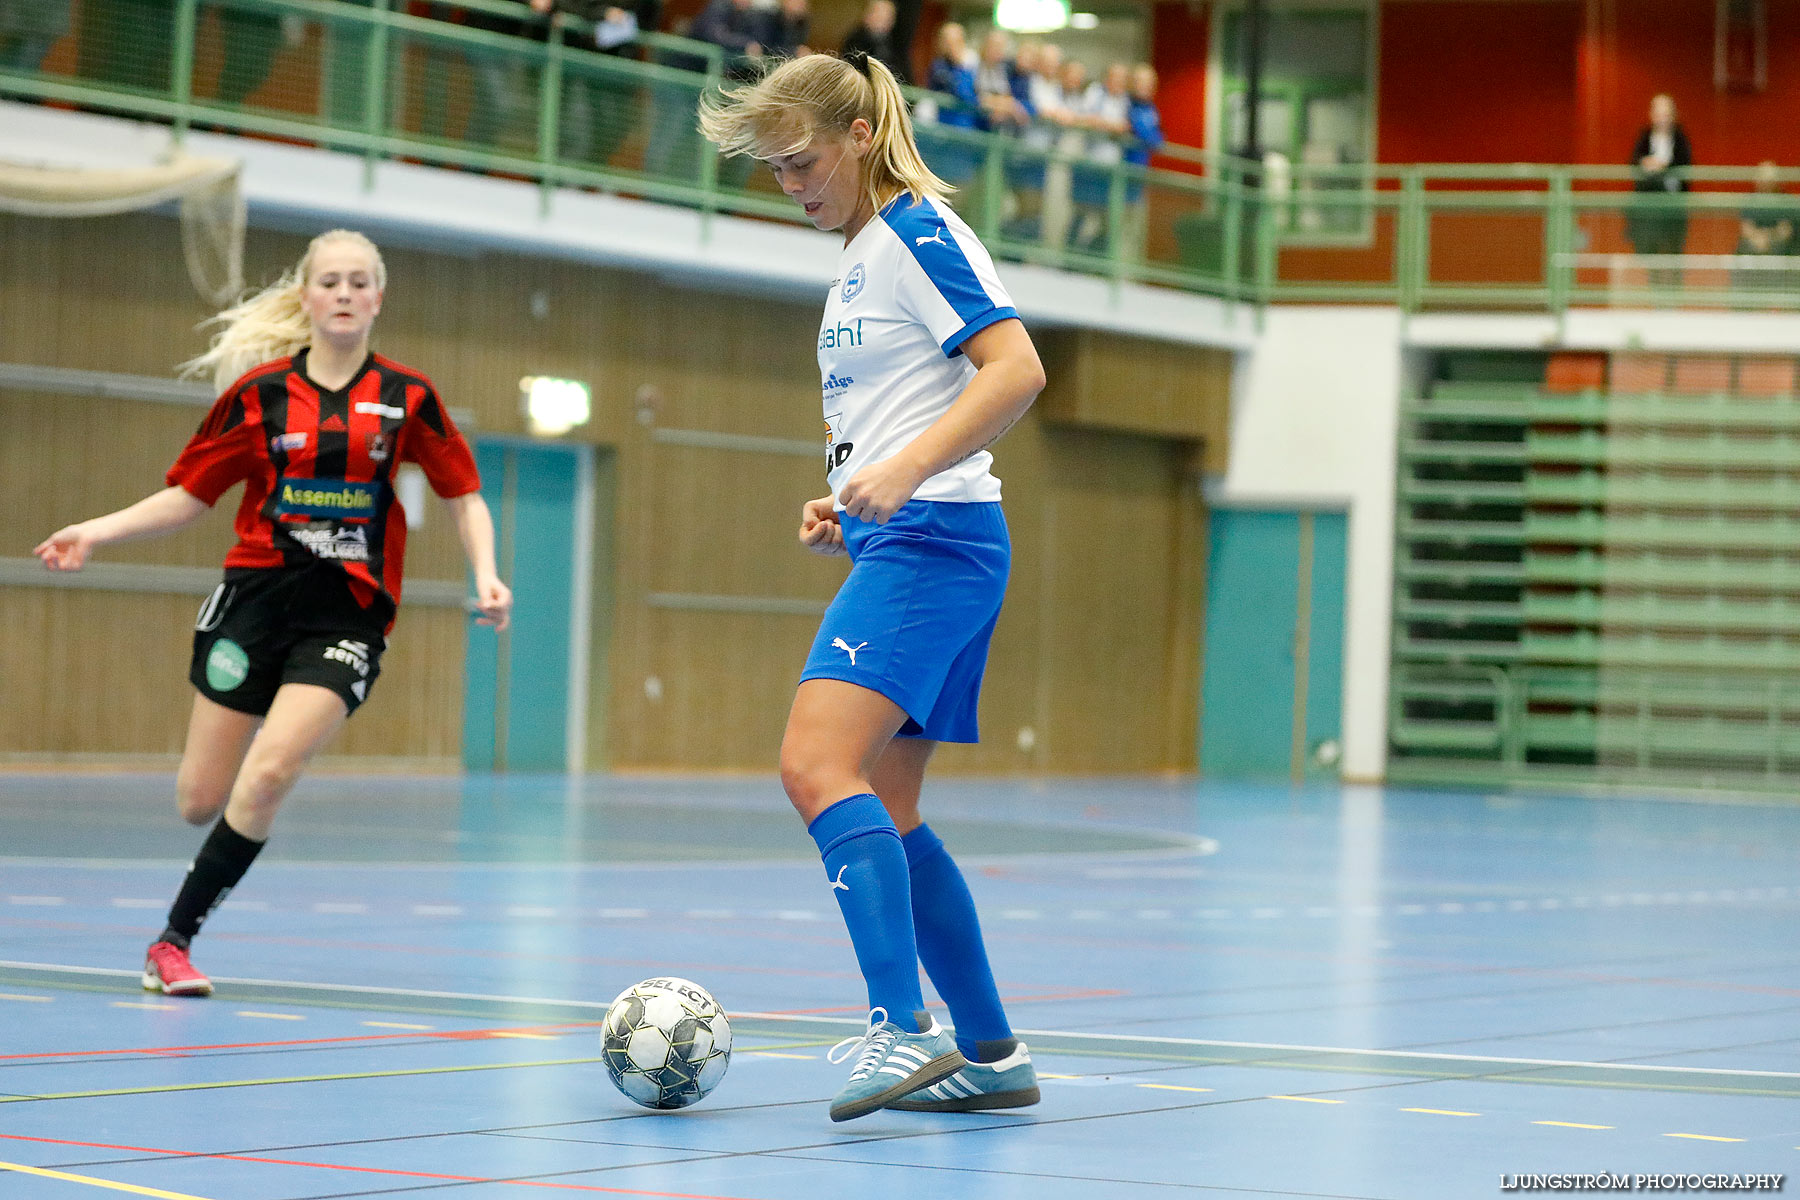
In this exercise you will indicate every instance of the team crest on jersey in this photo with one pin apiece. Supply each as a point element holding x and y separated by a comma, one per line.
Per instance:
<point>853,283</point>
<point>837,450</point>
<point>379,446</point>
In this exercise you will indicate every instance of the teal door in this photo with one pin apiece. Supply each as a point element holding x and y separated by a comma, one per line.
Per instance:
<point>524,705</point>
<point>1271,702</point>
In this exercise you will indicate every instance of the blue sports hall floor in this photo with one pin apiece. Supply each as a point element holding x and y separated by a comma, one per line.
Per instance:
<point>1229,990</point>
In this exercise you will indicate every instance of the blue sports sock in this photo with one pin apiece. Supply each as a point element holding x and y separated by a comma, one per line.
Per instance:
<point>950,946</point>
<point>867,869</point>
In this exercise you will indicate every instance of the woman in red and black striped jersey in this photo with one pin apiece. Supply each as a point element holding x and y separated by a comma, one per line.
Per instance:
<point>288,645</point>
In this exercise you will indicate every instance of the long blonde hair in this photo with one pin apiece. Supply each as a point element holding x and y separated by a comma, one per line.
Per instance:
<point>273,323</point>
<point>804,98</point>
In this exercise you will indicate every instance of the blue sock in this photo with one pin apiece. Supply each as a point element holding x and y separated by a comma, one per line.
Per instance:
<point>867,869</point>
<point>950,946</point>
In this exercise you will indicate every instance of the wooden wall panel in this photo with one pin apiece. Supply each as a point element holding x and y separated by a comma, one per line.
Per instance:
<point>94,672</point>
<point>1092,656</point>
<point>1110,381</point>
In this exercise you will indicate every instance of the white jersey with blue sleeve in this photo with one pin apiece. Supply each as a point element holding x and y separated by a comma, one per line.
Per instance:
<point>913,285</point>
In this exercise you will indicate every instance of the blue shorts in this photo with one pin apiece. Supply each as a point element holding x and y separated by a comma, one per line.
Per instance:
<point>914,618</point>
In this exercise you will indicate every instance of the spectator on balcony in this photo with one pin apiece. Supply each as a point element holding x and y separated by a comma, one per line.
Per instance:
<point>953,74</point>
<point>28,28</point>
<point>613,100</point>
<point>953,104</point>
<point>1766,230</point>
<point>874,35</point>
<point>1041,63</point>
<point>1001,85</point>
<point>736,27</point>
<point>1659,160</point>
<point>788,31</point>
<point>1144,139</point>
<point>493,101</point>
<point>1069,123</point>
<point>1107,121</point>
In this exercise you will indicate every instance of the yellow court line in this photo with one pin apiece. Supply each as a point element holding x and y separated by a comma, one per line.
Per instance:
<point>263,1016</point>
<point>395,1025</point>
<point>1048,1075</point>
<point>133,1188</point>
<point>1173,1087</point>
<point>772,1054</point>
<point>1571,1125</point>
<point>1441,1112</point>
<point>1307,1099</point>
<point>1702,1137</point>
<point>28,999</point>
<point>152,1005</point>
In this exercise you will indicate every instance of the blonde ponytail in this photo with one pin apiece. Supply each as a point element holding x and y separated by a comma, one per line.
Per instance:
<point>894,160</point>
<point>271,324</point>
<point>785,110</point>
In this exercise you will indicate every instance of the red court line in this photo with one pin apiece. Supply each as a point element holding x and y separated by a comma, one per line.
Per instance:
<point>463,1035</point>
<point>289,1162</point>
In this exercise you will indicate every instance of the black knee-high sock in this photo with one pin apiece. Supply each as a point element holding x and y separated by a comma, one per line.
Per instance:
<point>222,861</point>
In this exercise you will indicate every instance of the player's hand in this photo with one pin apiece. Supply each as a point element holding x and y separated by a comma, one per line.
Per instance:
<point>878,491</point>
<point>819,528</point>
<point>493,600</point>
<point>67,549</point>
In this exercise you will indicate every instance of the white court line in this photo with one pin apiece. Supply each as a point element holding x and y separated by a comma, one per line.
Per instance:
<point>862,1023</point>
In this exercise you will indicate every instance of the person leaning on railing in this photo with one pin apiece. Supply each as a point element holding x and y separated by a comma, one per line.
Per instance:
<point>1144,139</point>
<point>28,29</point>
<point>736,27</point>
<point>1659,160</point>
<point>1766,231</point>
<point>954,105</point>
<point>597,107</point>
<point>495,101</point>
<point>1001,87</point>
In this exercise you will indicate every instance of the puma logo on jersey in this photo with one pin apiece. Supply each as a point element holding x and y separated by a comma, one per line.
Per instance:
<point>838,884</point>
<point>937,236</point>
<point>847,648</point>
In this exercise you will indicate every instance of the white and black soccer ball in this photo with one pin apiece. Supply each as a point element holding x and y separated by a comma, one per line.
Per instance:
<point>666,1042</point>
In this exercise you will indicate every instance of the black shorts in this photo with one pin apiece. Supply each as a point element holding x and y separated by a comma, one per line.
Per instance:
<point>260,629</point>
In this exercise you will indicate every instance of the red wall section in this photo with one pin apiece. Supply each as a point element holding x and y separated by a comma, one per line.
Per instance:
<point>1632,49</point>
<point>1478,81</point>
<point>1178,52</point>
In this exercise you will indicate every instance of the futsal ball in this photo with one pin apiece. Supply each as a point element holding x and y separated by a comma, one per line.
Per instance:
<point>666,1042</point>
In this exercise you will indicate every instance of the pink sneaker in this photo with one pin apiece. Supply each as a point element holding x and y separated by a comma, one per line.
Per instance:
<point>167,970</point>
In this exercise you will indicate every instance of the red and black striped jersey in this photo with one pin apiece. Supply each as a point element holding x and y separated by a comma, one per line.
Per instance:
<point>317,466</point>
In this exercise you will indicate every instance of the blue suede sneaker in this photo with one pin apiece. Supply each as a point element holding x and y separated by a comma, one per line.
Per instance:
<point>1009,1083</point>
<point>892,1063</point>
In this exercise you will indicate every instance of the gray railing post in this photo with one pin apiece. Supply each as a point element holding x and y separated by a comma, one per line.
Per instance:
<point>374,71</point>
<point>549,132</point>
<point>181,66</point>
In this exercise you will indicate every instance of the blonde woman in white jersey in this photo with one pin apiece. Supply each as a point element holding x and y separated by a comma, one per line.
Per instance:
<point>924,364</point>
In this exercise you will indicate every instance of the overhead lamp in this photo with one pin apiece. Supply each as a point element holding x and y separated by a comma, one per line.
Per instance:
<point>1084,20</point>
<point>554,406</point>
<point>1031,16</point>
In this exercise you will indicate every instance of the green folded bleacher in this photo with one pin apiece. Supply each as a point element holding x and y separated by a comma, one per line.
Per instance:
<point>1598,579</point>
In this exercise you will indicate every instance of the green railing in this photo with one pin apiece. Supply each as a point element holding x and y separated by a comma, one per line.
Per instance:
<point>383,83</point>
